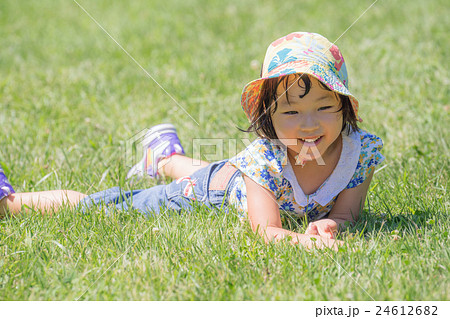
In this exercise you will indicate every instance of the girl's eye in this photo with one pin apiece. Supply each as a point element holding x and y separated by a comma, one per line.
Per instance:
<point>323,108</point>
<point>290,112</point>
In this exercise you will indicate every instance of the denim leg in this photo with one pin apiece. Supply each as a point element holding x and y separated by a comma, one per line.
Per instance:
<point>107,197</point>
<point>179,194</point>
<point>146,201</point>
<point>195,188</point>
<point>151,200</point>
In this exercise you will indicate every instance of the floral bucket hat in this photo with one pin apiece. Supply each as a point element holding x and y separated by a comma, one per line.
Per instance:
<point>300,53</point>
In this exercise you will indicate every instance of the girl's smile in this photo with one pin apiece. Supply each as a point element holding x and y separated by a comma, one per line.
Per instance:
<point>310,141</point>
<point>313,118</point>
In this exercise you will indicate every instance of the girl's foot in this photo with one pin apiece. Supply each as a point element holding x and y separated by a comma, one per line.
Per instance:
<point>161,141</point>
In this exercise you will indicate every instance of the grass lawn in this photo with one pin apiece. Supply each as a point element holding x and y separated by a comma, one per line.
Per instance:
<point>70,98</point>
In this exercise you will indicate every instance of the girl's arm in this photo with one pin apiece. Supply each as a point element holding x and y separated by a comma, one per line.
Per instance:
<point>350,202</point>
<point>264,216</point>
<point>346,209</point>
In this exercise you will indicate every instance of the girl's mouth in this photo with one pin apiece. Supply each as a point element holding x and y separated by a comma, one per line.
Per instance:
<point>310,141</point>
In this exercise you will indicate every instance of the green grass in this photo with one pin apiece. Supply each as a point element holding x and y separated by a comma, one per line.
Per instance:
<point>70,98</point>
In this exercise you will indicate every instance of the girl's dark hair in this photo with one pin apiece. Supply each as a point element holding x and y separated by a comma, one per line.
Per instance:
<point>262,122</point>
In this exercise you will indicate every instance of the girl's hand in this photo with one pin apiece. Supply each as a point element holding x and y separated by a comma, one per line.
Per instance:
<point>326,228</point>
<point>314,241</point>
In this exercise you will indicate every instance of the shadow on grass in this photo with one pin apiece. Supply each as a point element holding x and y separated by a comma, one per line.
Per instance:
<point>404,222</point>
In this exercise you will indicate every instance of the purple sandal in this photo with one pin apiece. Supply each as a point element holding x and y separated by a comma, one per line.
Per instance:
<point>161,141</point>
<point>5,187</point>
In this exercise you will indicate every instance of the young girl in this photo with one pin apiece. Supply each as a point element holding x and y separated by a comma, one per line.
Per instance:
<point>310,160</point>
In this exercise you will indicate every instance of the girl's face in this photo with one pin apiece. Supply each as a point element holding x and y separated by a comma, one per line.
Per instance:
<point>311,122</point>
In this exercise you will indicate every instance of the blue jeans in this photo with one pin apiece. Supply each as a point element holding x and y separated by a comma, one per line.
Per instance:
<point>177,195</point>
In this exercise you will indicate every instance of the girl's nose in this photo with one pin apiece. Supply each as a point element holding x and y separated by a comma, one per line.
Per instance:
<point>308,123</point>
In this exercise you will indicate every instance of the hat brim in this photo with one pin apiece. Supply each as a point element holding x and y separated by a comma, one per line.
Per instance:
<point>251,92</point>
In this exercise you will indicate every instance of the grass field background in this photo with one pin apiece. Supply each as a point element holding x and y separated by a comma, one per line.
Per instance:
<point>70,98</point>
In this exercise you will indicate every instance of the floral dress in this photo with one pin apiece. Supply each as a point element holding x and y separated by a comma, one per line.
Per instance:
<point>267,164</point>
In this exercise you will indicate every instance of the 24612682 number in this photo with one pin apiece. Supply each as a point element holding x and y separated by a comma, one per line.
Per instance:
<point>406,311</point>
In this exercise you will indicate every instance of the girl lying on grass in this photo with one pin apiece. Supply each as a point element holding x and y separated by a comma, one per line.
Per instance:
<point>310,158</point>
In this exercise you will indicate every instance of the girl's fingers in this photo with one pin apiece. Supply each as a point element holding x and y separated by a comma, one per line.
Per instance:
<point>325,231</point>
<point>330,231</point>
<point>312,230</point>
